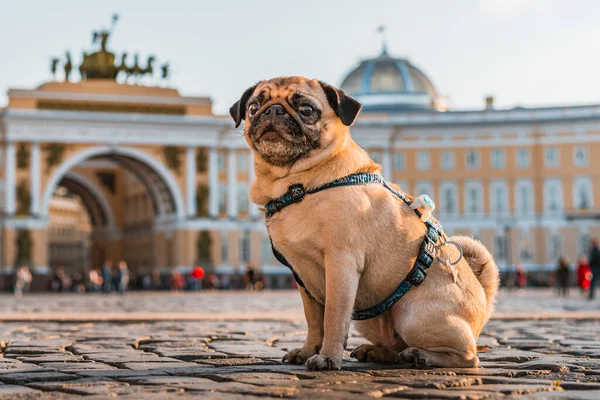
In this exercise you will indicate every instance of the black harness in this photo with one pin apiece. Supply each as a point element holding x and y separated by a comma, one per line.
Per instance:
<point>417,274</point>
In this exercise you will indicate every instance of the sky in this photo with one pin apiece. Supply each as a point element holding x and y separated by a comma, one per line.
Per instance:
<point>523,52</point>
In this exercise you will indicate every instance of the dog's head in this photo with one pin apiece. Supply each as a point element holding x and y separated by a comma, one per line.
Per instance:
<point>287,118</point>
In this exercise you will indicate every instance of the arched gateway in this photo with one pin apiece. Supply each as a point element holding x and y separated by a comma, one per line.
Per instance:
<point>162,181</point>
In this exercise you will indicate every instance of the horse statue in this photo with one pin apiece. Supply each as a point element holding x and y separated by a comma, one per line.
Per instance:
<point>68,66</point>
<point>149,67</point>
<point>53,67</point>
<point>164,71</point>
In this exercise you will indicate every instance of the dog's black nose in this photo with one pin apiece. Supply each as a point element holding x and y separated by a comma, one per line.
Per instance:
<point>275,110</point>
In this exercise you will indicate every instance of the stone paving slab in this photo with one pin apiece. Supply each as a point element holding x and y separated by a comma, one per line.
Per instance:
<point>277,305</point>
<point>161,359</point>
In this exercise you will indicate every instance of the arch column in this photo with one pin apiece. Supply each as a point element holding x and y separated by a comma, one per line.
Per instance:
<point>10,177</point>
<point>252,208</point>
<point>190,180</point>
<point>232,210</point>
<point>35,177</point>
<point>213,182</point>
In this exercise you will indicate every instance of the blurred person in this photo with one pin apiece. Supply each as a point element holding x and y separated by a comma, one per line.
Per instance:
<point>61,282</point>
<point>520,277</point>
<point>260,282</point>
<point>225,282</point>
<point>562,276</point>
<point>123,277</point>
<point>27,278</point>
<point>95,280</point>
<point>213,281</point>
<point>78,285</point>
<point>197,277</point>
<point>22,281</point>
<point>177,281</point>
<point>584,274</point>
<point>147,281</point>
<point>107,276</point>
<point>250,277</point>
<point>594,266</point>
<point>156,281</point>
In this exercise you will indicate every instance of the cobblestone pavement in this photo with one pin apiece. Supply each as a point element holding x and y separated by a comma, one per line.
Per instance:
<point>542,301</point>
<point>520,358</point>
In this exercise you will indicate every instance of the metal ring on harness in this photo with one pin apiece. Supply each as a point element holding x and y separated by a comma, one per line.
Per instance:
<point>450,263</point>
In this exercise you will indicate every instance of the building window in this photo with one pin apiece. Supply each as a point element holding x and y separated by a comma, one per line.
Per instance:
<point>224,248</point>
<point>242,197</point>
<point>554,247</point>
<point>523,158</point>
<point>499,197</point>
<point>376,156</point>
<point>582,193</point>
<point>473,159</point>
<point>244,247</point>
<point>524,198</point>
<point>403,186</point>
<point>580,156</point>
<point>448,198</point>
<point>525,247</point>
<point>552,196</point>
<point>473,198</point>
<point>266,253</point>
<point>398,161</point>
<point>500,249</point>
<point>584,243</point>
<point>423,162</point>
<point>551,157</point>
<point>222,198</point>
<point>221,161</point>
<point>242,161</point>
<point>447,160</point>
<point>498,159</point>
<point>424,188</point>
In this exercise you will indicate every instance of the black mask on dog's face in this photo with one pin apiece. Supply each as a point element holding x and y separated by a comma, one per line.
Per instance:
<point>285,116</point>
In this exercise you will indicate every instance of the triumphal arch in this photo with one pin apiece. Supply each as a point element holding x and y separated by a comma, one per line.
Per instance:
<point>163,181</point>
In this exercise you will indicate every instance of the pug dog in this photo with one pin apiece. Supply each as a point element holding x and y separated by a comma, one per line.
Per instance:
<point>351,246</point>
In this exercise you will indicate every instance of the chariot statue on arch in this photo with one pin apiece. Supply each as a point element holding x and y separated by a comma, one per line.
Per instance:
<point>100,64</point>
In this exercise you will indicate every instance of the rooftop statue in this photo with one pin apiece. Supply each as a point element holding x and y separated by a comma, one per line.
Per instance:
<point>100,64</point>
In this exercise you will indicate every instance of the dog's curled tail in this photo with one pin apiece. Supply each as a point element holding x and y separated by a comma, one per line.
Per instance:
<point>484,267</point>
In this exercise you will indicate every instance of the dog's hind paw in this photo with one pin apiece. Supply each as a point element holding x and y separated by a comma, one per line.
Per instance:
<point>320,362</point>
<point>413,357</point>
<point>372,353</point>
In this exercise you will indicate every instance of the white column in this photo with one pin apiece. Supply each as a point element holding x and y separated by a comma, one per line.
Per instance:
<point>213,182</point>
<point>231,184</point>
<point>190,180</point>
<point>10,171</point>
<point>386,163</point>
<point>252,208</point>
<point>34,177</point>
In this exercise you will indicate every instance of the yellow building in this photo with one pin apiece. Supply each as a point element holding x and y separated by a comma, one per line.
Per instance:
<point>163,181</point>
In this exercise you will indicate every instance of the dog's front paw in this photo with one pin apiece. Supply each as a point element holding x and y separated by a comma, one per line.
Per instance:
<point>298,356</point>
<point>413,357</point>
<point>320,362</point>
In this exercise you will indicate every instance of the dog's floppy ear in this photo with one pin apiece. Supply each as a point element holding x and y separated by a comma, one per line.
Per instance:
<point>238,109</point>
<point>344,106</point>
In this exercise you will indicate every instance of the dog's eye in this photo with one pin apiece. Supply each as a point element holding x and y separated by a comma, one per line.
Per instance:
<point>252,109</point>
<point>307,111</point>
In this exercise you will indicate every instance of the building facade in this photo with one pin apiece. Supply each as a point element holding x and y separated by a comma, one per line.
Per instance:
<point>165,182</point>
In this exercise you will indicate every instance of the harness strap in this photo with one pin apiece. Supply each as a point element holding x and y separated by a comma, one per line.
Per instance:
<point>425,258</point>
<point>415,277</point>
